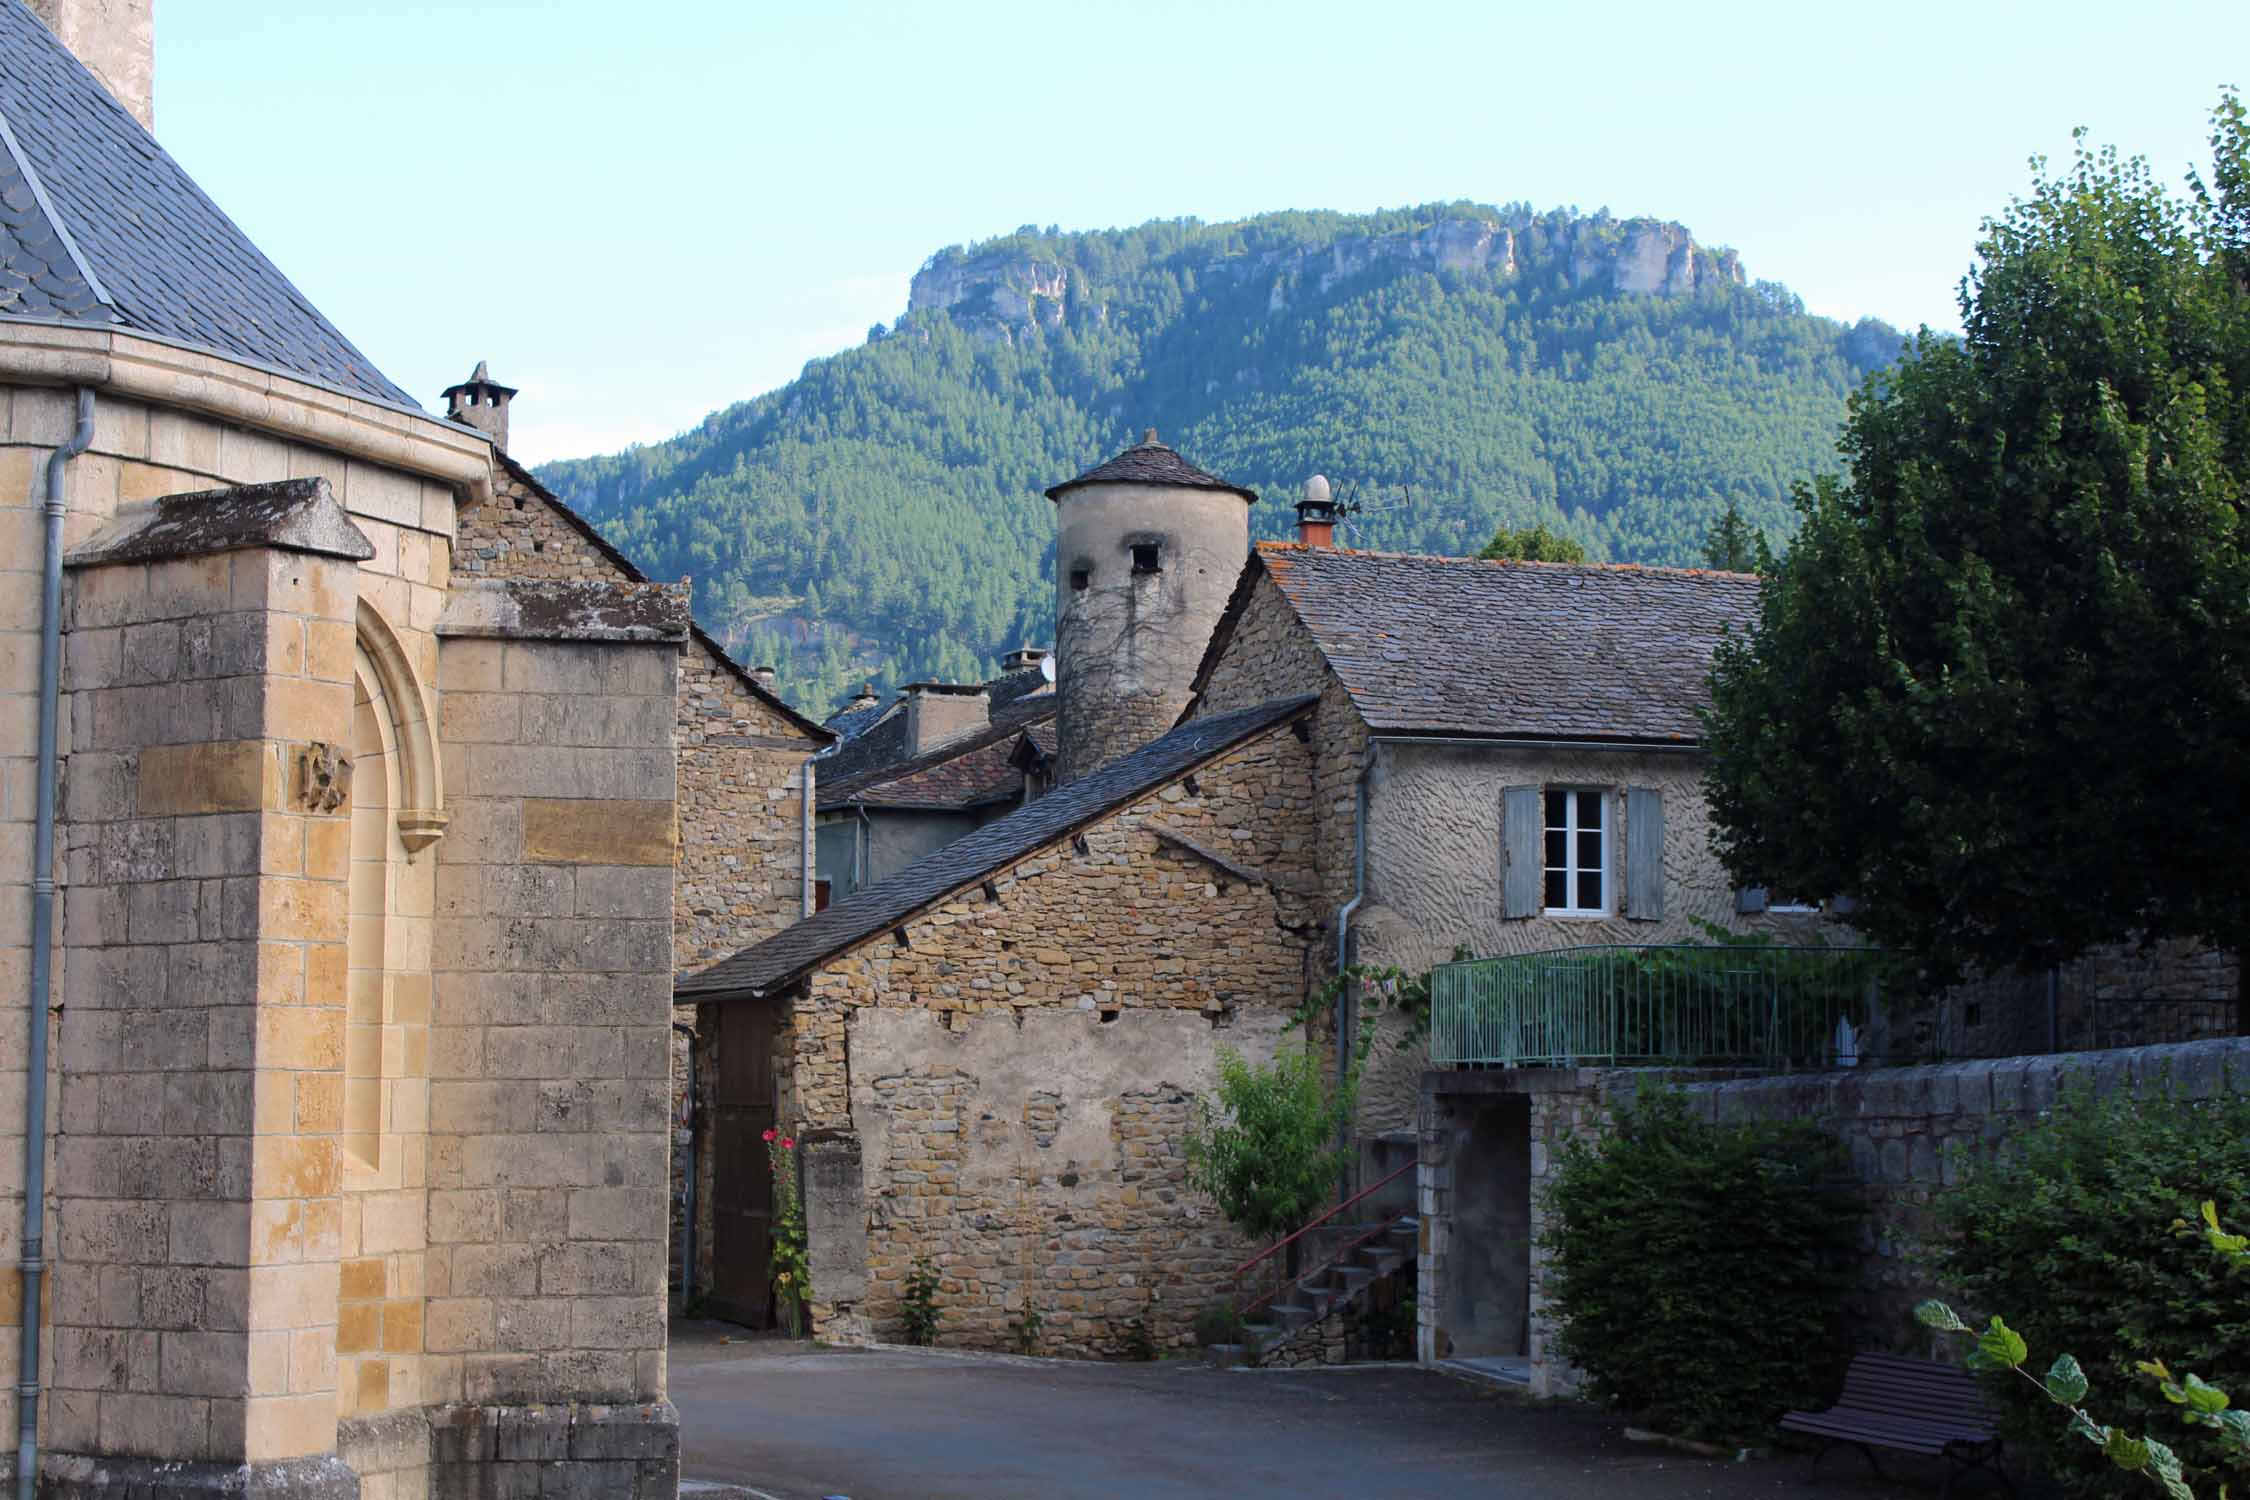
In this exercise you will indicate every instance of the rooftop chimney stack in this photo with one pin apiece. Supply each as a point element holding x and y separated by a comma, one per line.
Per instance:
<point>1316,514</point>
<point>481,402</point>
<point>866,697</point>
<point>766,677</point>
<point>1023,659</point>
<point>116,40</point>
<point>938,713</point>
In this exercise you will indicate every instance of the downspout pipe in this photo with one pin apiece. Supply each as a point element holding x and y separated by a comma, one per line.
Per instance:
<point>807,861</point>
<point>42,949</point>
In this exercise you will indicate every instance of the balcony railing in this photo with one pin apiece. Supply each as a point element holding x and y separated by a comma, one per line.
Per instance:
<point>1686,1006</point>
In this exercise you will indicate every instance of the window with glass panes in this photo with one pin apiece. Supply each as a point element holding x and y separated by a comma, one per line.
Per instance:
<point>1577,852</point>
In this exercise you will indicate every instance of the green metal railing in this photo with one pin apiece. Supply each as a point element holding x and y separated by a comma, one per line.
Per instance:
<point>1677,1005</point>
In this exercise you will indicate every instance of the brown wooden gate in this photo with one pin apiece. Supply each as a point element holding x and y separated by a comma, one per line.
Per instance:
<point>742,1189</point>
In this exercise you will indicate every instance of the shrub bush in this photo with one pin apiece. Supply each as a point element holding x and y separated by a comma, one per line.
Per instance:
<point>1701,1268</point>
<point>2054,1235</point>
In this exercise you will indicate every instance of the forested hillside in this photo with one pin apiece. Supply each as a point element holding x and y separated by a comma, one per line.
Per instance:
<point>1462,366</point>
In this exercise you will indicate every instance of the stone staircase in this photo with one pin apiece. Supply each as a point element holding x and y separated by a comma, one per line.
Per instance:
<point>1376,1254</point>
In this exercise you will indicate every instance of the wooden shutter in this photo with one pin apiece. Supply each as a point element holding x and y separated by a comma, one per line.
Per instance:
<point>1750,900</point>
<point>1644,854</point>
<point>1520,868</point>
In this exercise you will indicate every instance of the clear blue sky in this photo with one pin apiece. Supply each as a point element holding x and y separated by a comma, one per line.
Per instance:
<point>640,212</point>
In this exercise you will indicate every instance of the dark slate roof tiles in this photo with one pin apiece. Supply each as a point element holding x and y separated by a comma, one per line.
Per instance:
<point>1449,645</point>
<point>796,950</point>
<point>171,262</point>
<point>1151,462</point>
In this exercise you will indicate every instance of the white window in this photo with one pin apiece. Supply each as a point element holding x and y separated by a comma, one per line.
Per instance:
<point>1577,862</point>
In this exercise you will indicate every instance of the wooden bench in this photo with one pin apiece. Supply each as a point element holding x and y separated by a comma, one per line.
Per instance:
<point>1911,1405</point>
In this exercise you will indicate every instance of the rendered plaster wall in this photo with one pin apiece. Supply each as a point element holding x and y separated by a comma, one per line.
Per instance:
<point>1434,869</point>
<point>1011,1083</point>
<point>1127,645</point>
<point>897,839</point>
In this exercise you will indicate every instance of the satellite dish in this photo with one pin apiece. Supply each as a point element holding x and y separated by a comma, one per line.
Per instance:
<point>1047,666</point>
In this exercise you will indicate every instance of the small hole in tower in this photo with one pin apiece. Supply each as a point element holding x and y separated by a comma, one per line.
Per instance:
<point>1110,1015</point>
<point>1146,558</point>
<point>519,502</point>
<point>1080,577</point>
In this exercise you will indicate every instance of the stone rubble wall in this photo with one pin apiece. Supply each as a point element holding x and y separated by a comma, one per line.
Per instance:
<point>1014,1078</point>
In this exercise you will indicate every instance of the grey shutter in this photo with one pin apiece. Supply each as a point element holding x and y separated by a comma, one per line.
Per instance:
<point>1520,869</point>
<point>1644,854</point>
<point>1750,900</point>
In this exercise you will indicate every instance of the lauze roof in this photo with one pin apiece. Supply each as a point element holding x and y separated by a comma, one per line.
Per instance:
<point>1508,650</point>
<point>99,226</point>
<point>795,951</point>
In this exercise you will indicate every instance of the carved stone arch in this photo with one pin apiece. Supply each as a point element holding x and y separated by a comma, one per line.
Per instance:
<point>421,805</point>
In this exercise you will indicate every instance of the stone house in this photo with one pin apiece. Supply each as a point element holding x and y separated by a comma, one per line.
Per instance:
<point>939,761</point>
<point>347,1025</point>
<point>990,1055</point>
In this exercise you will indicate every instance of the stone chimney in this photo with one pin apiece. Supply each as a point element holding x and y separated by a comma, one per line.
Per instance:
<point>938,713</point>
<point>481,402</point>
<point>1023,659</point>
<point>766,677</point>
<point>866,697</point>
<point>116,40</point>
<point>1316,514</point>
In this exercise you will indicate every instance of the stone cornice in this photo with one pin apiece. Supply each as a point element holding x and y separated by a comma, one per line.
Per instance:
<point>167,374</point>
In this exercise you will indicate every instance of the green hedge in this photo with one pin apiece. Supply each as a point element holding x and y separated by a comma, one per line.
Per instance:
<point>1702,1268</point>
<point>2068,1235</point>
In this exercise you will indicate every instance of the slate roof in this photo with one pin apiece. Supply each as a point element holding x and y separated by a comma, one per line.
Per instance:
<point>1150,462</point>
<point>794,951</point>
<point>1507,650</point>
<point>152,253</point>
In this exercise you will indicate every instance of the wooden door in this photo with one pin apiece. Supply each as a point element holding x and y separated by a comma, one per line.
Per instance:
<point>742,1189</point>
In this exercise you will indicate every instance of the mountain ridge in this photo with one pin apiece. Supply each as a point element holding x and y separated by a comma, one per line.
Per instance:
<point>879,516</point>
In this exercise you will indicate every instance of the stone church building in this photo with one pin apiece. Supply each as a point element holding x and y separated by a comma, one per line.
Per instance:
<point>359,804</point>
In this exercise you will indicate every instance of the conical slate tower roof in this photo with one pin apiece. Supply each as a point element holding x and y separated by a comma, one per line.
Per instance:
<point>99,226</point>
<point>1150,462</point>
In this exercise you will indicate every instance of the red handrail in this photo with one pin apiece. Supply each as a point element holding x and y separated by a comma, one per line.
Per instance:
<point>1285,1243</point>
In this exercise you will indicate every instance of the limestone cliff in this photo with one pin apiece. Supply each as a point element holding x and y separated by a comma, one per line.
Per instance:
<point>1003,288</point>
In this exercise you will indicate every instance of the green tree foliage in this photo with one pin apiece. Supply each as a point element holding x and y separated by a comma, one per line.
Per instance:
<point>1997,691</point>
<point>2054,1234</point>
<point>901,480</point>
<point>1532,544</point>
<point>1266,1147</point>
<point>1700,1267</point>
<point>1733,544</point>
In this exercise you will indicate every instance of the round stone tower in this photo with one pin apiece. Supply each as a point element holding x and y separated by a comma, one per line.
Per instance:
<point>1147,551</point>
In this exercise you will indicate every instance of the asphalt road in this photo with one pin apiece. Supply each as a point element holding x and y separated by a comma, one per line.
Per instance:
<point>797,1424</point>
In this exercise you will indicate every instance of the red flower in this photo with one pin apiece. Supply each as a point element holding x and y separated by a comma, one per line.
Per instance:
<point>787,1144</point>
<point>769,1135</point>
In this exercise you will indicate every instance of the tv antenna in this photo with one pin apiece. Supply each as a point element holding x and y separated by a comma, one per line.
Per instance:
<point>1347,510</point>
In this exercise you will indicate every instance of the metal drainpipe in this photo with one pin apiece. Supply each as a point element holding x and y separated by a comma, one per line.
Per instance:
<point>42,953</point>
<point>687,1223</point>
<point>807,861</point>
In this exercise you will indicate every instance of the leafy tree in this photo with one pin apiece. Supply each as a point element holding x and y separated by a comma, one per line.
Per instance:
<point>1733,545</point>
<point>2054,1235</point>
<point>1998,688</point>
<point>1266,1148</point>
<point>1532,544</point>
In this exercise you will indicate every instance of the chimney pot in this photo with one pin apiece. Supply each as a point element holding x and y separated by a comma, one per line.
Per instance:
<point>1148,437</point>
<point>481,402</point>
<point>1316,514</point>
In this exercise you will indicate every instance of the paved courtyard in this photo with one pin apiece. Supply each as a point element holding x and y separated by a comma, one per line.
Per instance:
<point>800,1424</point>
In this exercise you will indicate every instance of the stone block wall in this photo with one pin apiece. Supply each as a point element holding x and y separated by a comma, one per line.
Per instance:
<point>1011,1080</point>
<point>549,1040</point>
<point>1911,1131</point>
